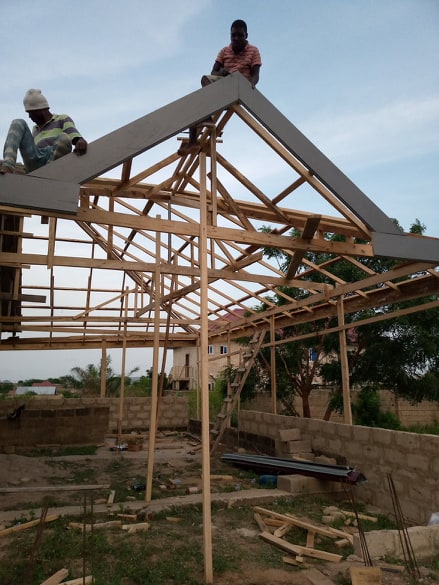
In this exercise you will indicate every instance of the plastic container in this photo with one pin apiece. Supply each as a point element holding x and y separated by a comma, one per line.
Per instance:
<point>268,481</point>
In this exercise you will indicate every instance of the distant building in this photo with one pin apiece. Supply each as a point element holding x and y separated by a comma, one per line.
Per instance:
<point>40,388</point>
<point>184,374</point>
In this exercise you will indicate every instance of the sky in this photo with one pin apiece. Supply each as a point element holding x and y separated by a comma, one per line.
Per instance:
<point>360,78</point>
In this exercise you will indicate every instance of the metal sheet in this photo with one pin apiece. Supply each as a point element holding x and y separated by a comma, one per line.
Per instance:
<point>30,192</point>
<point>280,466</point>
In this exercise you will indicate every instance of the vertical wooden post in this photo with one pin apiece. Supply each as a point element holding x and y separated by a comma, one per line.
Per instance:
<point>347,411</point>
<point>103,369</point>
<point>155,372</point>
<point>122,373</point>
<point>204,376</point>
<point>273,367</point>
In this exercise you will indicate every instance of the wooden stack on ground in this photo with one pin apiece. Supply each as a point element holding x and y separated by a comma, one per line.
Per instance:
<point>274,526</point>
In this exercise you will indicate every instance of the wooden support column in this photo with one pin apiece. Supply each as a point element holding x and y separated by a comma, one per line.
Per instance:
<point>273,367</point>
<point>103,369</point>
<point>155,372</point>
<point>347,411</point>
<point>204,376</point>
<point>122,373</point>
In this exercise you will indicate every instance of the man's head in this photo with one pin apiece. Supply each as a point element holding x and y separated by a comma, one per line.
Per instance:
<point>36,105</point>
<point>238,35</point>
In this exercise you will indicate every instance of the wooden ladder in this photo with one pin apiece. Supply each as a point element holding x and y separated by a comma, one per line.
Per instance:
<point>223,417</point>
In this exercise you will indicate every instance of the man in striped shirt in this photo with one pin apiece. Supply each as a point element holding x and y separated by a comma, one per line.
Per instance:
<point>51,137</point>
<point>240,56</point>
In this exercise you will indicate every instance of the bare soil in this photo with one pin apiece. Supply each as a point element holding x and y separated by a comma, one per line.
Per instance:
<point>177,467</point>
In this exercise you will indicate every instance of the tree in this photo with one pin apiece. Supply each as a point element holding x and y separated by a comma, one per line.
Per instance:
<point>400,354</point>
<point>88,379</point>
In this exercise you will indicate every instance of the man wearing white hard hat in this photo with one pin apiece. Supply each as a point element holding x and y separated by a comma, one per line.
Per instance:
<point>52,136</point>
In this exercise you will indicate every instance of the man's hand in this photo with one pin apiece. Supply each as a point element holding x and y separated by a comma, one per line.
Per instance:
<point>80,147</point>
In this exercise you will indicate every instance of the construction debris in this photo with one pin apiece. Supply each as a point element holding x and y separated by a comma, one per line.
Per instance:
<point>366,576</point>
<point>56,578</point>
<point>25,525</point>
<point>266,518</point>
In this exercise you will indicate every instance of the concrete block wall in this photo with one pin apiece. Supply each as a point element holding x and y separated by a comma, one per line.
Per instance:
<point>69,421</point>
<point>411,459</point>
<point>424,413</point>
<point>83,425</point>
<point>173,413</point>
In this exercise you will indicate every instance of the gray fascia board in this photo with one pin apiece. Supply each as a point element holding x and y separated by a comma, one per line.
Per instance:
<point>29,192</point>
<point>144,133</point>
<point>320,166</point>
<point>407,247</point>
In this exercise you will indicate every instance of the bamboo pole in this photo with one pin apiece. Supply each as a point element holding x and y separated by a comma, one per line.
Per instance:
<point>347,411</point>
<point>204,376</point>
<point>155,371</point>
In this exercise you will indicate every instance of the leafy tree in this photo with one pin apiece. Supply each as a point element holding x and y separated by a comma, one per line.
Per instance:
<point>88,379</point>
<point>400,353</point>
<point>6,387</point>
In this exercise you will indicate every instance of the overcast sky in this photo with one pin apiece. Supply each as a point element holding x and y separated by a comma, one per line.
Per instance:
<point>360,78</point>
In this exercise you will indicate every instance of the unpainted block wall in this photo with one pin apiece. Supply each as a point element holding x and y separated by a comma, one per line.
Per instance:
<point>68,421</point>
<point>173,413</point>
<point>83,425</point>
<point>424,413</point>
<point>411,459</point>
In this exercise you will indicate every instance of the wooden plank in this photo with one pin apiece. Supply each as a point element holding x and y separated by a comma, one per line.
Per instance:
<point>37,193</point>
<point>300,550</point>
<point>53,488</point>
<point>130,528</point>
<point>111,497</point>
<point>97,526</point>
<point>316,577</point>
<point>31,524</point>
<point>262,526</point>
<point>56,578</point>
<point>282,530</point>
<point>322,530</point>
<point>80,581</point>
<point>360,516</point>
<point>366,576</point>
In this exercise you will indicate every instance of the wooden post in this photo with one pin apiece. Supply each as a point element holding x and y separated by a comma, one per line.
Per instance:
<point>155,372</point>
<point>273,366</point>
<point>104,369</point>
<point>347,411</point>
<point>122,373</point>
<point>204,376</point>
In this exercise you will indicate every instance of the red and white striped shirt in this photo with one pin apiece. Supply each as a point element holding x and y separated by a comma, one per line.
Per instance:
<point>242,61</point>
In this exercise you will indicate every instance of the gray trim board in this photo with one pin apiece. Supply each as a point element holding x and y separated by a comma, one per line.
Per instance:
<point>36,193</point>
<point>407,247</point>
<point>148,131</point>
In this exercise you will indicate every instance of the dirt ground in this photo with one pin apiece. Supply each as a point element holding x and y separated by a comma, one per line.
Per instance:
<point>177,461</point>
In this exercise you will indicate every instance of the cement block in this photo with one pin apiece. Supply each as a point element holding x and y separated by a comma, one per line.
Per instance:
<point>289,435</point>
<point>297,447</point>
<point>301,484</point>
<point>381,543</point>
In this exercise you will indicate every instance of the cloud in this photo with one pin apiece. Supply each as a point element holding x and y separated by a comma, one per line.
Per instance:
<point>397,131</point>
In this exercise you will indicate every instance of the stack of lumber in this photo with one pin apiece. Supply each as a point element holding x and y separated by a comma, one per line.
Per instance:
<point>274,526</point>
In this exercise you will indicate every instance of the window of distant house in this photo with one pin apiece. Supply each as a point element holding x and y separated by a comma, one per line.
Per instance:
<point>210,349</point>
<point>223,349</point>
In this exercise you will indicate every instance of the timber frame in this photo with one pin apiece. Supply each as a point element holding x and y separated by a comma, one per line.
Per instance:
<point>165,250</point>
<point>131,230</point>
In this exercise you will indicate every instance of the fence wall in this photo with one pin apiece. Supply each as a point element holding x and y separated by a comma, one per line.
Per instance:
<point>410,458</point>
